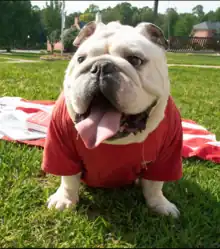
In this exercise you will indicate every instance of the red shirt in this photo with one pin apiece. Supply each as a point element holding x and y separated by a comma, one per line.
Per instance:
<point>114,165</point>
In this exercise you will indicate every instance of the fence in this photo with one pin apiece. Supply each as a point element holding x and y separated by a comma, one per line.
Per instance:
<point>194,44</point>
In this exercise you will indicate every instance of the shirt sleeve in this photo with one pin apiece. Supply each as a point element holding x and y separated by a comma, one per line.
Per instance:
<point>60,156</point>
<point>168,165</point>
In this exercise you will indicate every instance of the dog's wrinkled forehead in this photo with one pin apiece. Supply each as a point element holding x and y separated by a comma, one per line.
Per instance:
<point>144,32</point>
<point>109,30</point>
<point>116,33</point>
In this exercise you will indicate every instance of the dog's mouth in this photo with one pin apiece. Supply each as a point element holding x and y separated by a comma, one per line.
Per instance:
<point>103,122</point>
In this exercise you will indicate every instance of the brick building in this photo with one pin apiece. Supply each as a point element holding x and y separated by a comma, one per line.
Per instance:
<point>206,29</point>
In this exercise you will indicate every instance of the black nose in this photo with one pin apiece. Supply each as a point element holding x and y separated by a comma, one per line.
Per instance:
<point>102,68</point>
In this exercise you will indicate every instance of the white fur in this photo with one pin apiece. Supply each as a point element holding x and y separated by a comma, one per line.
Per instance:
<point>153,194</point>
<point>140,89</point>
<point>67,194</point>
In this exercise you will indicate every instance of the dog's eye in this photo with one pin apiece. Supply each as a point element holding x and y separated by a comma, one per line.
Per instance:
<point>80,59</point>
<point>135,61</point>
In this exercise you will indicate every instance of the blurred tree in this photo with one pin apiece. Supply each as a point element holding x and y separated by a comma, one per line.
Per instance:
<point>126,11</point>
<point>87,17</point>
<point>111,14</point>
<point>68,37</point>
<point>184,24</point>
<point>210,16</point>
<point>170,20</point>
<point>36,28</point>
<point>51,18</point>
<point>217,14</point>
<point>70,19</point>
<point>146,15</point>
<point>198,11</point>
<point>92,9</point>
<point>15,21</point>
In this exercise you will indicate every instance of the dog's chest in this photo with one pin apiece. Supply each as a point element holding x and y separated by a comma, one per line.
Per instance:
<point>115,165</point>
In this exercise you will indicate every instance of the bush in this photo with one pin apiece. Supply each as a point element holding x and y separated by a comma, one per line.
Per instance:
<point>43,52</point>
<point>68,38</point>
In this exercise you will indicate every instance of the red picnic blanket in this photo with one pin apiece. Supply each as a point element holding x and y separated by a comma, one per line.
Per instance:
<point>14,112</point>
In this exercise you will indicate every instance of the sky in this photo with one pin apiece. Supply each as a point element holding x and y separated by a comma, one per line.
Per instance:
<point>181,6</point>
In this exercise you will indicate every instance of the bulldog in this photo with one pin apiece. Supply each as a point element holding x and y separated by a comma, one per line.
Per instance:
<point>115,121</point>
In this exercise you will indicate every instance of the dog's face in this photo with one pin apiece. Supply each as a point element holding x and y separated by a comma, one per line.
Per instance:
<point>115,81</point>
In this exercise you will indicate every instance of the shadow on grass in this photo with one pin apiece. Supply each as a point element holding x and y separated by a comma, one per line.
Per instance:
<point>124,214</point>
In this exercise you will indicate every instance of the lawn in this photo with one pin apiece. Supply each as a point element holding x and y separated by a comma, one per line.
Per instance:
<point>172,58</point>
<point>193,59</point>
<point>18,56</point>
<point>2,59</point>
<point>24,55</point>
<point>110,218</point>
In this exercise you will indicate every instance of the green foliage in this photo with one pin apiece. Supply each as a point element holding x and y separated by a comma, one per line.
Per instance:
<point>15,23</point>
<point>184,24</point>
<point>70,19</point>
<point>198,11</point>
<point>51,17</point>
<point>68,37</point>
<point>87,17</point>
<point>170,21</point>
<point>92,8</point>
<point>19,20</point>
<point>89,14</point>
<point>54,37</point>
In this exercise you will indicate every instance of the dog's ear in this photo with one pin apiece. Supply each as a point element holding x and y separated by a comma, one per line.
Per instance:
<point>153,33</point>
<point>84,33</point>
<point>88,30</point>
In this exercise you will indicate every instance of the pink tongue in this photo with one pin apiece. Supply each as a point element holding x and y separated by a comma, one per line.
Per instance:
<point>99,126</point>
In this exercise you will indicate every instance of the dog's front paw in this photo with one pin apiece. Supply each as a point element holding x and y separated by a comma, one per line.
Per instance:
<point>162,206</point>
<point>62,199</point>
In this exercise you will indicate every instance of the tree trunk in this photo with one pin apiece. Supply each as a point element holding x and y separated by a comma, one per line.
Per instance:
<point>52,47</point>
<point>155,9</point>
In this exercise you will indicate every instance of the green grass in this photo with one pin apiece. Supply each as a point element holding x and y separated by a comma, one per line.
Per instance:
<point>172,58</point>
<point>24,56</point>
<point>3,59</point>
<point>193,59</point>
<point>108,218</point>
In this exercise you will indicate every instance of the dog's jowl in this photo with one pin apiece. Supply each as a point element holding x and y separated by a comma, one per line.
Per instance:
<point>115,120</point>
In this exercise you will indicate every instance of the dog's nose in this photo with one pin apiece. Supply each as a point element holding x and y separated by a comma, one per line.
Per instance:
<point>103,67</point>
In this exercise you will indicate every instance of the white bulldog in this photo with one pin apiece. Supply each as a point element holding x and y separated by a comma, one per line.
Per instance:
<point>115,121</point>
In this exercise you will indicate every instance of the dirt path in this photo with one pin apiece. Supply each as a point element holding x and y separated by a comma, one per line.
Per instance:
<point>186,65</point>
<point>22,61</point>
<point>14,60</point>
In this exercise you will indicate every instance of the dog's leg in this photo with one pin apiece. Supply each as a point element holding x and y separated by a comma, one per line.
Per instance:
<point>67,194</point>
<point>153,194</point>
